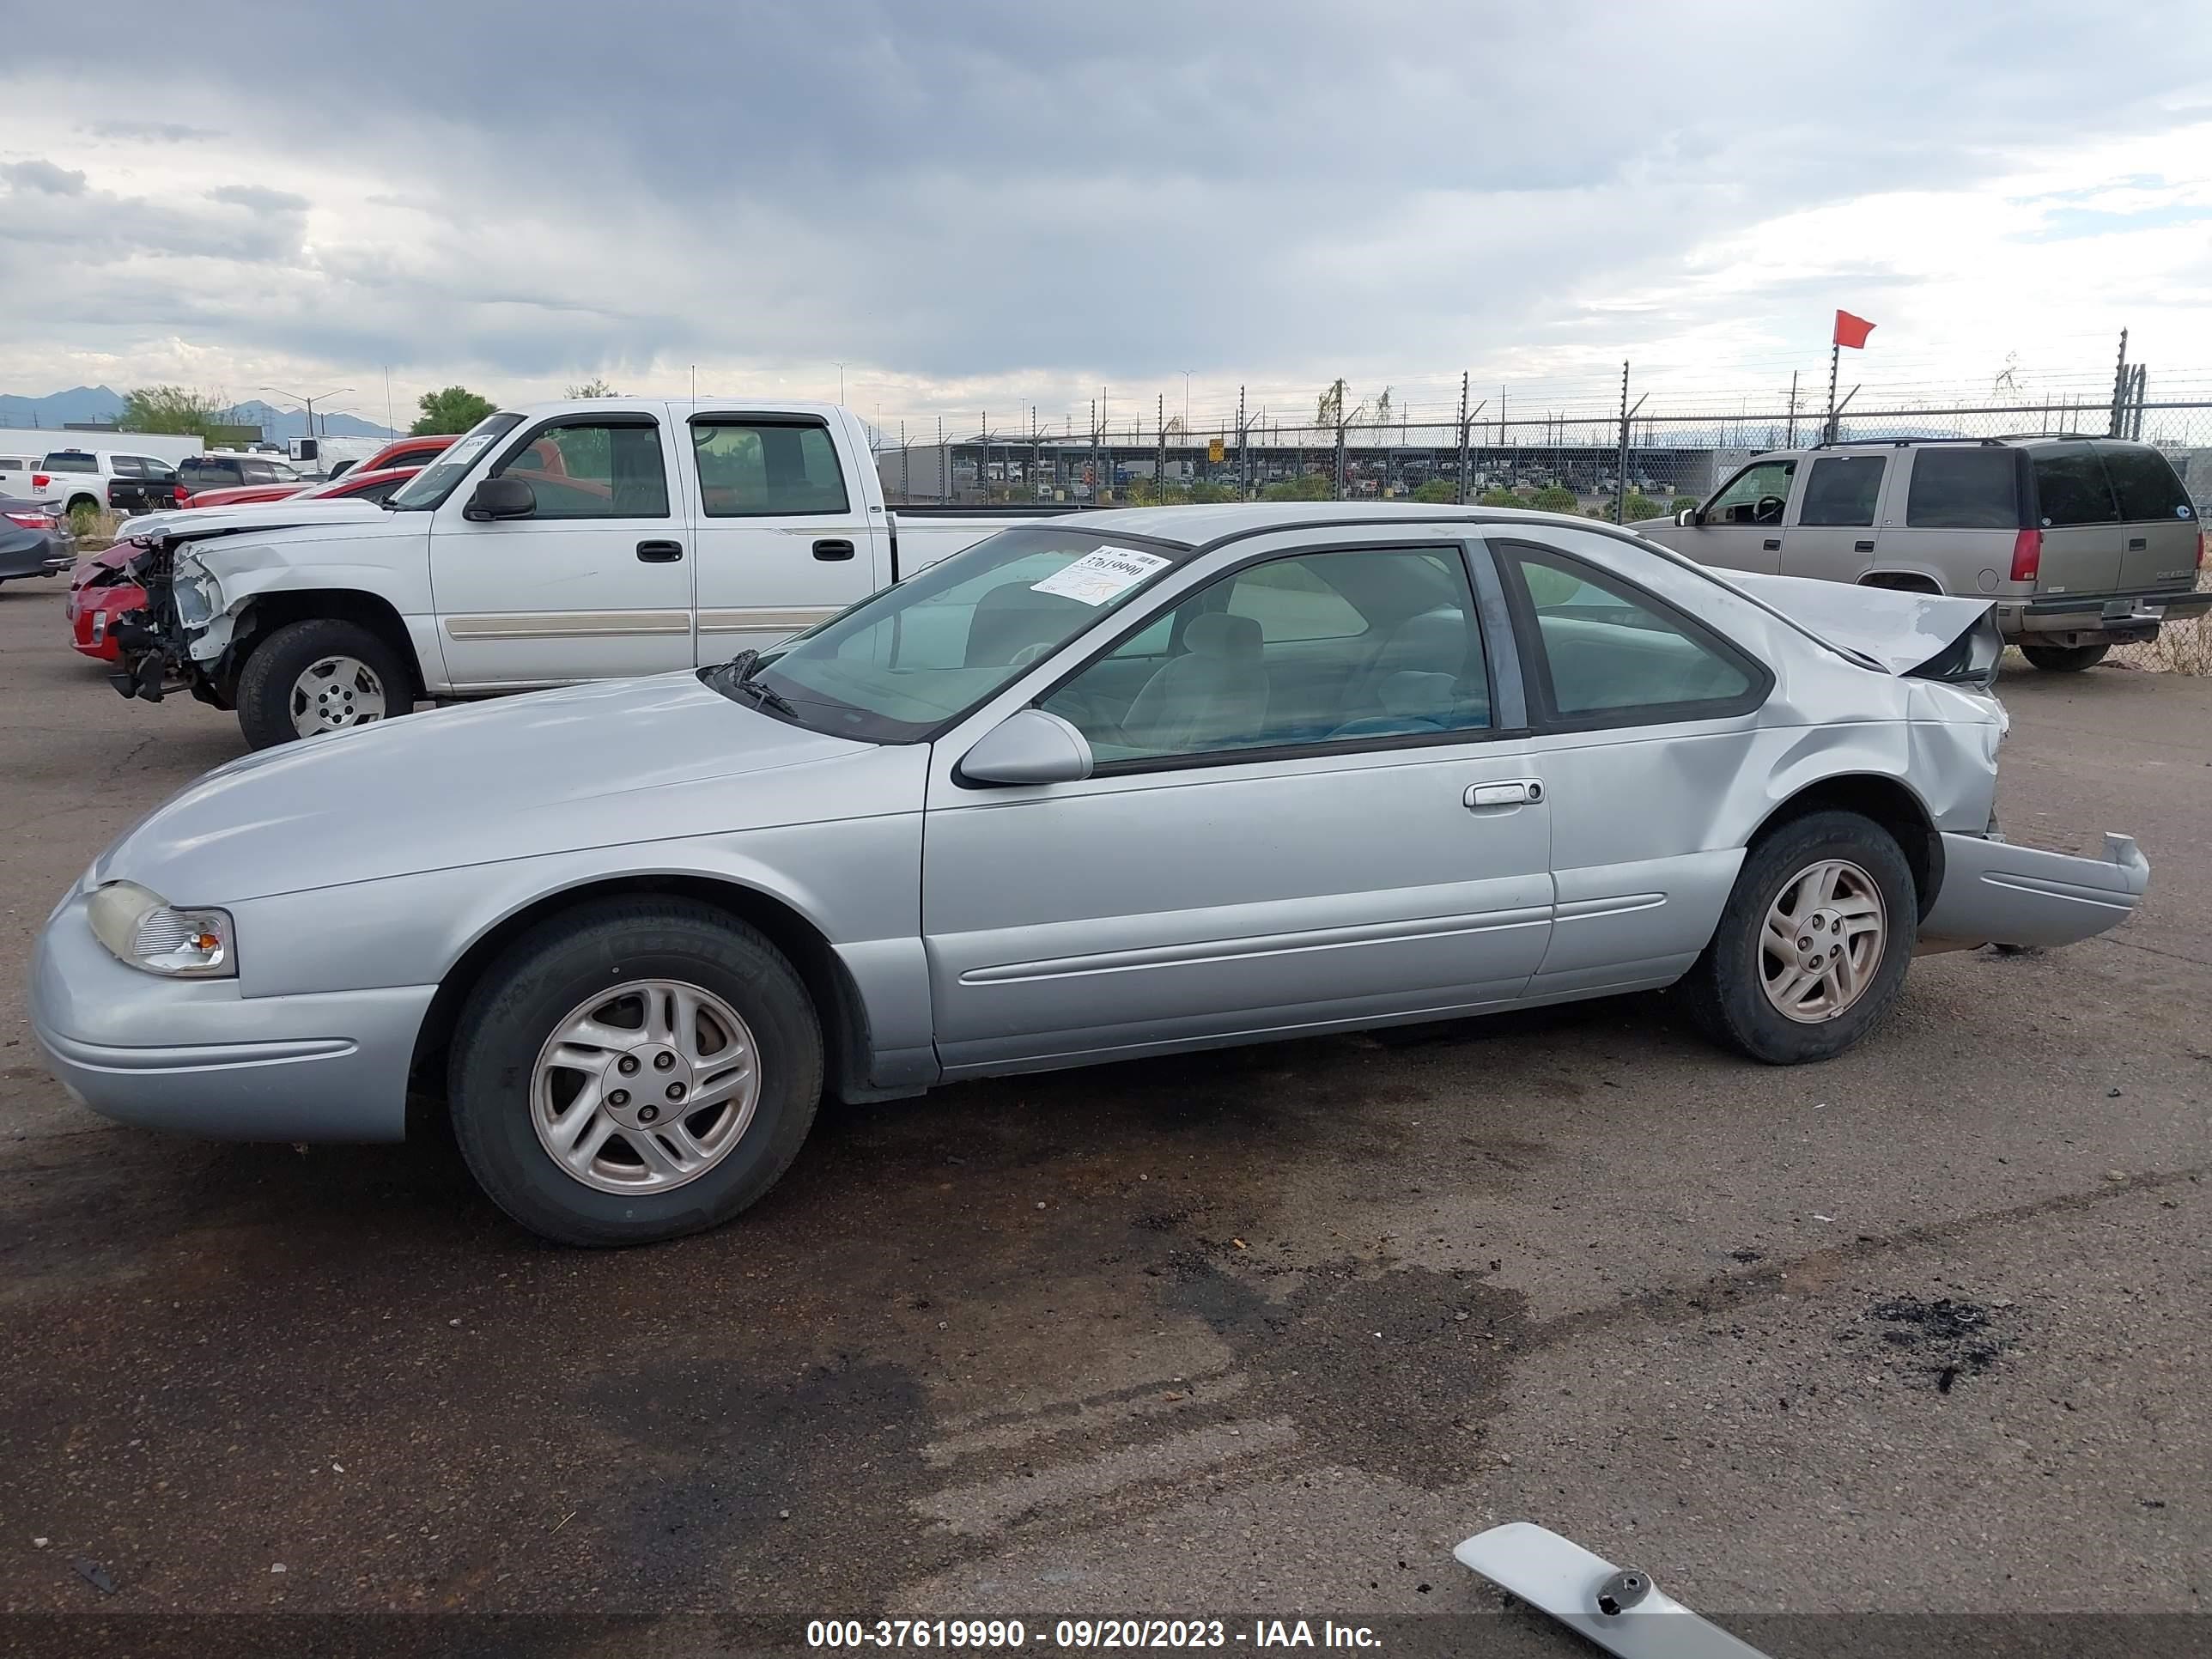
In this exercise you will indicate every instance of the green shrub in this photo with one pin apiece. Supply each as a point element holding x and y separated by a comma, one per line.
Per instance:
<point>1552,498</point>
<point>1306,487</point>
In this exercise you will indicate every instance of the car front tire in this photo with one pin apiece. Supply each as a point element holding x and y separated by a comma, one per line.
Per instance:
<point>2063,659</point>
<point>321,675</point>
<point>1812,948</point>
<point>634,1070</point>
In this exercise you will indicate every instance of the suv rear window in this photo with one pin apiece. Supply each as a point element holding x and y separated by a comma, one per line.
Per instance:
<point>2145,483</point>
<point>1964,490</point>
<point>2070,488</point>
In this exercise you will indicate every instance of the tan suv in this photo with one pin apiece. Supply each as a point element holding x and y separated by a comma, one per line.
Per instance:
<point>2083,542</point>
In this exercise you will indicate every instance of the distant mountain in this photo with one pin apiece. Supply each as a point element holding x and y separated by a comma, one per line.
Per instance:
<point>100,403</point>
<point>79,403</point>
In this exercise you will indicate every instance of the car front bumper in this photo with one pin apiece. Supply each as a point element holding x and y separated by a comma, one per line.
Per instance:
<point>1995,893</point>
<point>195,1055</point>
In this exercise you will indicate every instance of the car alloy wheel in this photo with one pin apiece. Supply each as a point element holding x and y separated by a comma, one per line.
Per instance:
<point>645,1087</point>
<point>335,693</point>
<point>1822,941</point>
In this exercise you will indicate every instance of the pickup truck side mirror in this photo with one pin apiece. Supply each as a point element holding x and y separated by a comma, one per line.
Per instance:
<point>1686,517</point>
<point>500,498</point>
<point>1029,746</point>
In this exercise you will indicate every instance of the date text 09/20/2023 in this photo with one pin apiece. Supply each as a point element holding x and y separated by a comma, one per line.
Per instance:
<point>1087,1634</point>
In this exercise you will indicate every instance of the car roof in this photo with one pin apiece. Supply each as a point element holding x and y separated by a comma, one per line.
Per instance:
<point>1200,526</point>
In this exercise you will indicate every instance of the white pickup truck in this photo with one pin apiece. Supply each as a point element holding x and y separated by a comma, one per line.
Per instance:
<point>553,545</point>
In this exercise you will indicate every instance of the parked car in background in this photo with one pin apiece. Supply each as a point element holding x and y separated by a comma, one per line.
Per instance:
<point>101,589</point>
<point>15,473</point>
<point>417,449</point>
<point>2083,542</point>
<point>575,541</point>
<point>362,482</point>
<point>34,539</point>
<point>141,485</point>
<point>227,469</point>
<point>80,478</point>
<point>1079,794</point>
<point>325,458</point>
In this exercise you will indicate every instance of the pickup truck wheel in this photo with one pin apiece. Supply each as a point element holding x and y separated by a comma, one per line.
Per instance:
<point>321,675</point>
<point>1813,942</point>
<point>2064,659</point>
<point>633,1071</point>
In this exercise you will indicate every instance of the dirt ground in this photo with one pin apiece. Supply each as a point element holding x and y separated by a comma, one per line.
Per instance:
<point>1258,1335</point>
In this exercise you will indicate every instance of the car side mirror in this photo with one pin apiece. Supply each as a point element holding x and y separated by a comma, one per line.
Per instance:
<point>1686,517</point>
<point>500,498</point>
<point>1029,746</point>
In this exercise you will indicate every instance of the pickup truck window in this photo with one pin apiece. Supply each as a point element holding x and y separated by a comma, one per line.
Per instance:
<point>751,467</point>
<point>903,664</point>
<point>429,487</point>
<point>69,460</point>
<point>592,469</point>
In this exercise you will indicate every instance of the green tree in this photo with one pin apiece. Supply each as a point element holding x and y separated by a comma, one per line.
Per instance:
<point>1306,487</point>
<point>1552,498</point>
<point>1437,489</point>
<point>454,410</point>
<point>595,387</point>
<point>174,409</point>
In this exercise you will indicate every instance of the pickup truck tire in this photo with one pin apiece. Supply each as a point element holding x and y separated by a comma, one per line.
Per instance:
<point>2064,659</point>
<point>1822,921</point>
<point>582,1055</point>
<point>320,675</point>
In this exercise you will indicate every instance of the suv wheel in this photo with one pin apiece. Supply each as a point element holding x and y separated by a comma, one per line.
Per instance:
<point>2064,659</point>
<point>322,675</point>
<point>1813,942</point>
<point>633,1071</point>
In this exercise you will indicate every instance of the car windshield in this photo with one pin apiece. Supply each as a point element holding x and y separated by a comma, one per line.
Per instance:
<point>896,667</point>
<point>429,487</point>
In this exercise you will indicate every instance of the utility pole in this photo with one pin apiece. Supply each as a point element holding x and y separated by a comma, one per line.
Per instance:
<point>1792,441</point>
<point>1461,496</point>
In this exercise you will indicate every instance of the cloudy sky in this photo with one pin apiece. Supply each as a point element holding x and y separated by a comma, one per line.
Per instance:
<point>972,205</point>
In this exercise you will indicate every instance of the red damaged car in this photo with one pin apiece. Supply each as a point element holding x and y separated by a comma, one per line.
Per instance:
<point>100,590</point>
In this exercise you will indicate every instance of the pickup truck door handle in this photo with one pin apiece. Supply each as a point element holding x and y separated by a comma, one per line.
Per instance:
<point>1771,543</point>
<point>1521,791</point>
<point>831,551</point>
<point>1862,547</point>
<point>659,552</point>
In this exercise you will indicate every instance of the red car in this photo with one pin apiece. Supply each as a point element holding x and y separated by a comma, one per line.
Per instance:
<point>418,450</point>
<point>100,592</point>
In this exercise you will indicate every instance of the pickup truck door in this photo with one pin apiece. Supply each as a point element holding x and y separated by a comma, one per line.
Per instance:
<point>1830,532</point>
<point>784,535</point>
<point>595,584</point>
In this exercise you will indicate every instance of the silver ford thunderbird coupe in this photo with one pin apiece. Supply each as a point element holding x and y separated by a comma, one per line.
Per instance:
<point>1099,787</point>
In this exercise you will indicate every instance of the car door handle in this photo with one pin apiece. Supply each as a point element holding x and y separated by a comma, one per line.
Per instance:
<point>829,552</point>
<point>1862,547</point>
<point>1521,791</point>
<point>659,552</point>
<point>1771,543</point>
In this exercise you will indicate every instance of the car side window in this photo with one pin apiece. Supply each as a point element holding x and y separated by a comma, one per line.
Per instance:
<point>259,472</point>
<point>1842,489</point>
<point>1318,648</point>
<point>1605,649</point>
<point>1975,489</point>
<point>754,468</point>
<point>593,470</point>
<point>1755,496</point>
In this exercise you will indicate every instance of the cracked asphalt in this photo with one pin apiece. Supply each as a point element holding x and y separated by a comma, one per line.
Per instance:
<point>1260,1333</point>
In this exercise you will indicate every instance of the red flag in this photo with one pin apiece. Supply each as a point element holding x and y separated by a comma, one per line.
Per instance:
<point>1851,331</point>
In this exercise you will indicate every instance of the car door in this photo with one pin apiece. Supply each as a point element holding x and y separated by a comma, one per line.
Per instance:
<point>1741,528</point>
<point>1310,805</point>
<point>594,584</point>
<point>1642,716</point>
<point>782,536</point>
<point>1830,529</point>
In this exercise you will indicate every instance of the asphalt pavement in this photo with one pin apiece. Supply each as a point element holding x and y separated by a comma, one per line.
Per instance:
<point>1256,1334</point>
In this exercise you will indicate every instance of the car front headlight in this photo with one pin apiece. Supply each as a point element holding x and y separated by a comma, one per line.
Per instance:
<point>145,930</point>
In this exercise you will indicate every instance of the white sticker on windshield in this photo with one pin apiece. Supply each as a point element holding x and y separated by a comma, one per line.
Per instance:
<point>469,448</point>
<point>1097,577</point>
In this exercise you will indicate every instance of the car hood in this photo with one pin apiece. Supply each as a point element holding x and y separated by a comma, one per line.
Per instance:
<point>619,761</point>
<point>250,515</point>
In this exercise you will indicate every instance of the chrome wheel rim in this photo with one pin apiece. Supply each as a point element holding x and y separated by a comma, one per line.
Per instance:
<point>1822,941</point>
<point>645,1087</point>
<point>334,693</point>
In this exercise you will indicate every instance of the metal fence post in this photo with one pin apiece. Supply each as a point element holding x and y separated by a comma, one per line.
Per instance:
<point>1460,496</point>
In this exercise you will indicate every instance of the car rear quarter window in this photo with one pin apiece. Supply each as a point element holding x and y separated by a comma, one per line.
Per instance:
<point>2071,489</point>
<point>2145,484</point>
<point>1842,489</point>
<point>1964,490</point>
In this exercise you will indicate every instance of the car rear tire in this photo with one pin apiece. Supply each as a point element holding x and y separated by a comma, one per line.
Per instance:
<point>1812,945</point>
<point>2064,659</point>
<point>321,675</point>
<point>694,1018</point>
